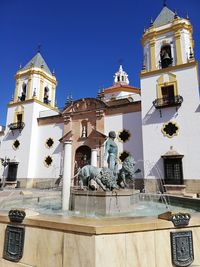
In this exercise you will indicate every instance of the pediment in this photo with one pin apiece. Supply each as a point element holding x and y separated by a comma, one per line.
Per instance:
<point>97,134</point>
<point>84,104</point>
<point>67,136</point>
<point>167,77</point>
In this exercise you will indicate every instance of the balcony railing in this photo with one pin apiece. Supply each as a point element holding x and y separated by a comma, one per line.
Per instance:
<point>168,101</point>
<point>16,126</point>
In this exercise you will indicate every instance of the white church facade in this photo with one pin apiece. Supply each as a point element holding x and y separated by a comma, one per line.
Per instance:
<point>158,124</point>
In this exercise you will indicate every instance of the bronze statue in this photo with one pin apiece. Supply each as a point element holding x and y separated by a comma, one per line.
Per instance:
<point>112,150</point>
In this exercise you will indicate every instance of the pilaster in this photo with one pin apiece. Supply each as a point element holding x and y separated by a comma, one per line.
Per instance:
<point>16,91</point>
<point>153,54</point>
<point>177,37</point>
<point>29,87</point>
<point>41,89</point>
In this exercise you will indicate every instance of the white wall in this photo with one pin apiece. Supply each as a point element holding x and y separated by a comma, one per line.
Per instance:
<point>22,153</point>
<point>187,118</point>
<point>122,94</point>
<point>27,153</point>
<point>54,131</point>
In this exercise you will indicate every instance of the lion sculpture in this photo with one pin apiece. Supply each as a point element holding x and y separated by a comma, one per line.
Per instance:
<point>91,177</point>
<point>127,172</point>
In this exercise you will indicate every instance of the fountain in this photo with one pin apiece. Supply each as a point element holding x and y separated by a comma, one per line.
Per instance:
<point>106,193</point>
<point>111,224</point>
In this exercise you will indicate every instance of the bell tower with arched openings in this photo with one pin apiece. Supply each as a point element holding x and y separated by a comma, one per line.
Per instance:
<point>170,100</point>
<point>35,82</point>
<point>34,92</point>
<point>34,97</point>
<point>167,42</point>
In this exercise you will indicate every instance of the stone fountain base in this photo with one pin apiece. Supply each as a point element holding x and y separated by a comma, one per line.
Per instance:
<point>104,202</point>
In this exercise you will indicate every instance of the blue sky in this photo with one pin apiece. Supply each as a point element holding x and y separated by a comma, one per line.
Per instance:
<point>82,40</point>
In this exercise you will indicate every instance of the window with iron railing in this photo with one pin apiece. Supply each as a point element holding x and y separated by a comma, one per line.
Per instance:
<point>16,125</point>
<point>168,101</point>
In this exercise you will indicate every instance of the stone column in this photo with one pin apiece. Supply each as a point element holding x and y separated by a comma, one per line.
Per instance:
<point>94,158</point>
<point>67,174</point>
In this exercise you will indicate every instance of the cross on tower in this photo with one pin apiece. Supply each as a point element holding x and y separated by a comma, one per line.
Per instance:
<point>120,61</point>
<point>164,2</point>
<point>39,48</point>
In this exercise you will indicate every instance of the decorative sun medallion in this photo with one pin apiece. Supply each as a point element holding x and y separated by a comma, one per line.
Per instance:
<point>124,155</point>
<point>48,161</point>
<point>124,136</point>
<point>170,129</point>
<point>49,142</point>
<point>16,144</point>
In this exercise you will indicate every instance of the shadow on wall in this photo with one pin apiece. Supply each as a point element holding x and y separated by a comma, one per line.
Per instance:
<point>5,172</point>
<point>59,125</point>
<point>156,115</point>
<point>58,149</point>
<point>12,135</point>
<point>198,109</point>
<point>156,170</point>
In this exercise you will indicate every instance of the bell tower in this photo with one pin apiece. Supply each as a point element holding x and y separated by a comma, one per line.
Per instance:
<point>121,76</point>
<point>167,42</point>
<point>170,99</point>
<point>35,82</point>
<point>34,96</point>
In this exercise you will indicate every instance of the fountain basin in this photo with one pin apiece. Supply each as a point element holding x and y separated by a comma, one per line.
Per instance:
<point>60,241</point>
<point>118,241</point>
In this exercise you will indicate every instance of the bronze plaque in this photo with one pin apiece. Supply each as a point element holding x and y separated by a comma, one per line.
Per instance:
<point>14,243</point>
<point>182,248</point>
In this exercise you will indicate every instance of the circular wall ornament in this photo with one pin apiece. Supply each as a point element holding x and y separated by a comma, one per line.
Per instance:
<point>16,144</point>
<point>170,129</point>
<point>49,142</point>
<point>124,136</point>
<point>48,161</point>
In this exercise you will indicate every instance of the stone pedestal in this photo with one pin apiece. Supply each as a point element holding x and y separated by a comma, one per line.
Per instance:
<point>104,203</point>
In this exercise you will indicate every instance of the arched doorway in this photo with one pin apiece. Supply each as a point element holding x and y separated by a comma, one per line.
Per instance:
<point>82,158</point>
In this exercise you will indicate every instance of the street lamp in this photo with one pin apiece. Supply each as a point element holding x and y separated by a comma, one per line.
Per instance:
<point>4,163</point>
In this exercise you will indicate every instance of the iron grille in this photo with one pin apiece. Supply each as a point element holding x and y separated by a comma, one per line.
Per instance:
<point>168,101</point>
<point>16,126</point>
